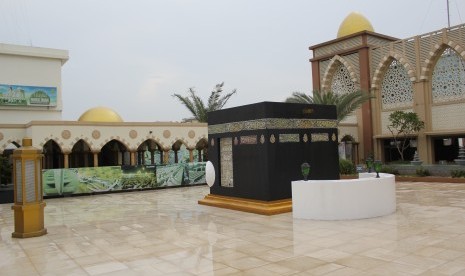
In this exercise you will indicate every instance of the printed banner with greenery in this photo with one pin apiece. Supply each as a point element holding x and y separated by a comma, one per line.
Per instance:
<point>58,182</point>
<point>23,95</point>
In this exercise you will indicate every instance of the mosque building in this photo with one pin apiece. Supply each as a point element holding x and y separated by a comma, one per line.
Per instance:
<point>31,106</point>
<point>424,74</point>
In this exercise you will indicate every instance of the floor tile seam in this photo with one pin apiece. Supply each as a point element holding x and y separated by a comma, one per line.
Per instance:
<point>74,260</point>
<point>419,266</point>
<point>242,270</point>
<point>320,265</point>
<point>175,264</point>
<point>63,249</point>
<point>385,262</point>
<point>281,258</point>
<point>33,263</point>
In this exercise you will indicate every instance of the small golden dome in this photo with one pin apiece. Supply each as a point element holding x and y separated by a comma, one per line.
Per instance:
<point>100,114</point>
<point>355,22</point>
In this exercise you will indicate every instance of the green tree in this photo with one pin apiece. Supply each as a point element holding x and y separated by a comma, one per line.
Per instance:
<point>345,103</point>
<point>198,108</point>
<point>402,126</point>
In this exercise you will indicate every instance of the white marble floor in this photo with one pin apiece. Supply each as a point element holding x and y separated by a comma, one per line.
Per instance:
<point>165,232</point>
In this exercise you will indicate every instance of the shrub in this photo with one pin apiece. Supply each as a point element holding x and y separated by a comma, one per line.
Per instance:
<point>346,167</point>
<point>389,169</point>
<point>6,169</point>
<point>457,173</point>
<point>422,172</point>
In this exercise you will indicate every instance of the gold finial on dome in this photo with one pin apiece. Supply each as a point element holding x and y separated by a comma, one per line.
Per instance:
<point>100,114</point>
<point>355,22</point>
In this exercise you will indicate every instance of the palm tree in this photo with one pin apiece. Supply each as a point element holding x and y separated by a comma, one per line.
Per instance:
<point>345,103</point>
<point>198,108</point>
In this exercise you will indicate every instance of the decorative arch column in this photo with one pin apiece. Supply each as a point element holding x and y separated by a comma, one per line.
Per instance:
<point>191,154</point>
<point>66,159</point>
<point>152,156</point>
<point>422,100</point>
<point>166,155</point>
<point>132,154</point>
<point>95,154</point>
<point>140,157</point>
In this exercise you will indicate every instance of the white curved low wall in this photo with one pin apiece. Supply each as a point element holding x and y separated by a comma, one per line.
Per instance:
<point>344,199</point>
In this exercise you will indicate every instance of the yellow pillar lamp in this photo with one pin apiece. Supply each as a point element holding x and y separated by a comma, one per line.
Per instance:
<point>29,204</point>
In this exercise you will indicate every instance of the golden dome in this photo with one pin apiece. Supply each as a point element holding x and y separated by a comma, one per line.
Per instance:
<point>100,114</point>
<point>355,22</point>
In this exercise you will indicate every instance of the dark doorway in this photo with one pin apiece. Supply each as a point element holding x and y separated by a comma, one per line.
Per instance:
<point>391,154</point>
<point>81,155</point>
<point>112,154</point>
<point>446,149</point>
<point>53,156</point>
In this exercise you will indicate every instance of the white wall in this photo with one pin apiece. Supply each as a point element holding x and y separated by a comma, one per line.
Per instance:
<point>32,66</point>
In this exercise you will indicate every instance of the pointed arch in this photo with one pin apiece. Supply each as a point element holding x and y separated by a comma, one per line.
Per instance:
<point>395,88</point>
<point>84,140</point>
<point>433,57</point>
<point>8,142</point>
<point>6,166</point>
<point>81,155</point>
<point>335,62</point>
<point>55,139</point>
<point>81,144</point>
<point>178,143</point>
<point>149,152</point>
<point>448,77</point>
<point>53,155</point>
<point>112,153</point>
<point>149,144</point>
<point>123,142</point>
<point>384,64</point>
<point>202,149</point>
<point>201,143</point>
<point>179,147</point>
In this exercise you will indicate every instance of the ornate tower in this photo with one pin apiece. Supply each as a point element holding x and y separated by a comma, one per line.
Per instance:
<point>342,65</point>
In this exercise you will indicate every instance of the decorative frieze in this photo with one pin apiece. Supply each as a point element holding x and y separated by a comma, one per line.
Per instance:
<point>249,140</point>
<point>289,138</point>
<point>320,137</point>
<point>271,123</point>
<point>66,134</point>
<point>226,162</point>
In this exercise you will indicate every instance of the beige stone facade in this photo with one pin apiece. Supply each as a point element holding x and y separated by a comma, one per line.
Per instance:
<point>99,137</point>
<point>31,66</point>
<point>424,74</point>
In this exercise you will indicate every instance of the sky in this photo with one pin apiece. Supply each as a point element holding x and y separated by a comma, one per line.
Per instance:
<point>132,56</point>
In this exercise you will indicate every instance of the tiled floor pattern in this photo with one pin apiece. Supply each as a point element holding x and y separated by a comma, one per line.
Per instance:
<point>165,232</point>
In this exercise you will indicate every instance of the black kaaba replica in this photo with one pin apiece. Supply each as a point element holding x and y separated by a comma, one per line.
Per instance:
<point>258,149</point>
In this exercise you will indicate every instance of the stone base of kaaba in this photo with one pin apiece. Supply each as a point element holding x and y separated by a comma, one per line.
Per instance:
<point>248,205</point>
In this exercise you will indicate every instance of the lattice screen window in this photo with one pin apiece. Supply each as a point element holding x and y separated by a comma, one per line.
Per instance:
<point>448,82</point>
<point>341,82</point>
<point>396,88</point>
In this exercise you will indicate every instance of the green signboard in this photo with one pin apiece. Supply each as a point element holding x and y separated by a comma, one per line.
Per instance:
<point>22,95</point>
